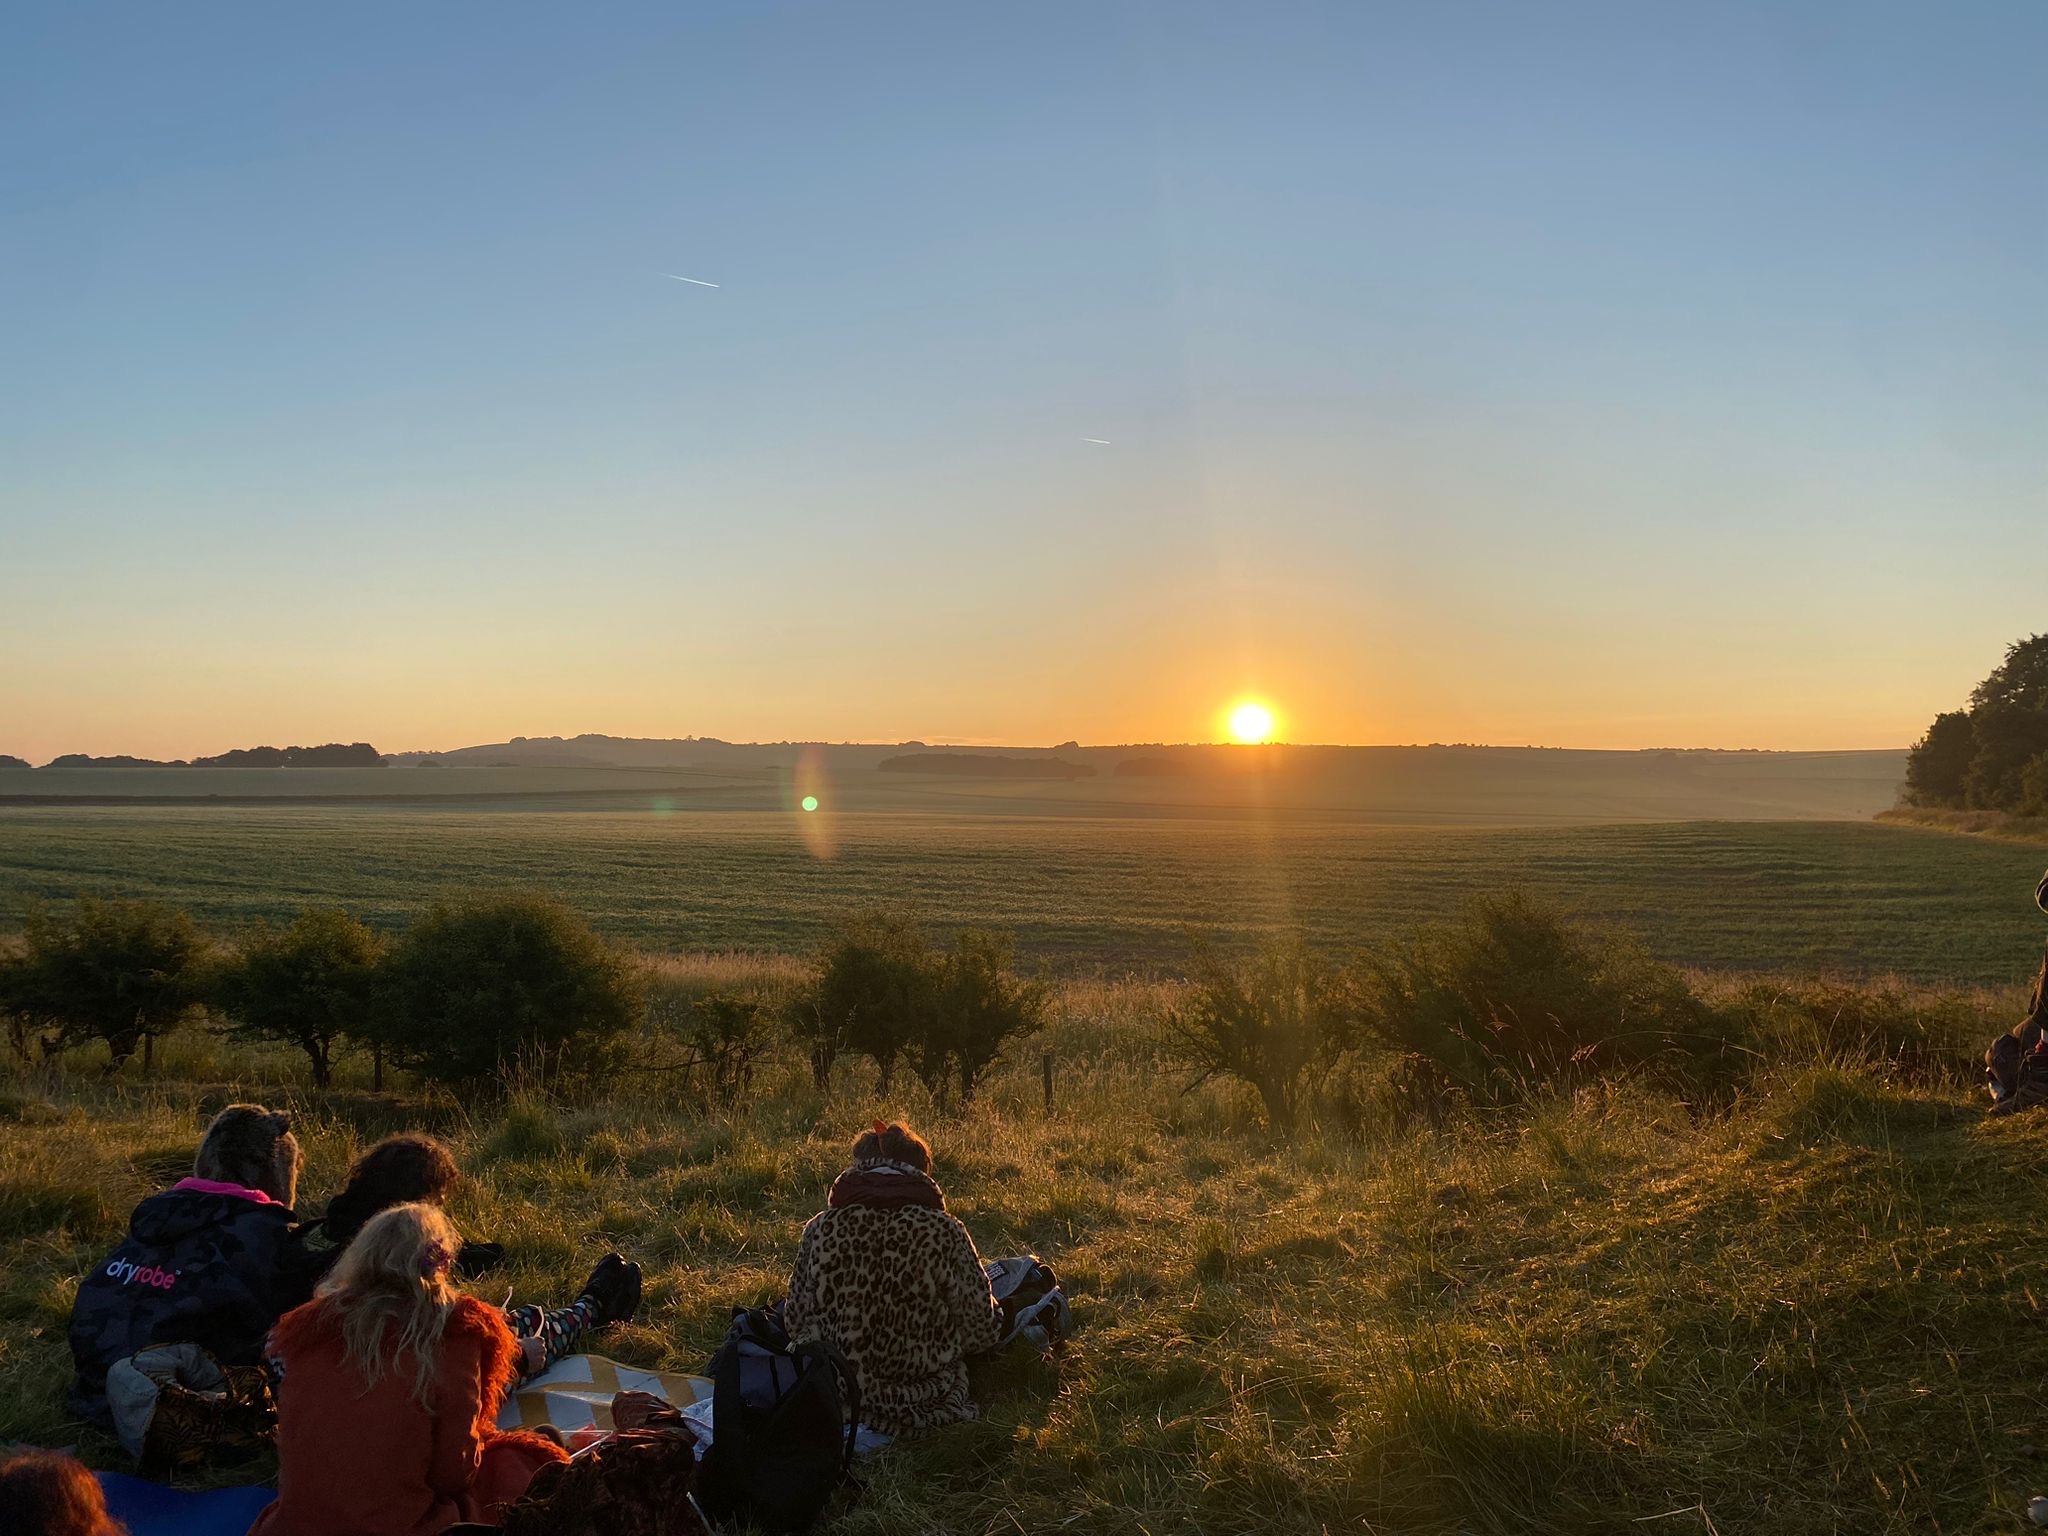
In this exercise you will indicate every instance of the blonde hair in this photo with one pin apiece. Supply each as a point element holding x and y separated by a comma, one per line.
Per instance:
<point>392,1292</point>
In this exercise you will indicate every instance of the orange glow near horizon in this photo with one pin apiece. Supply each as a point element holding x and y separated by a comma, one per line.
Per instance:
<point>1251,722</point>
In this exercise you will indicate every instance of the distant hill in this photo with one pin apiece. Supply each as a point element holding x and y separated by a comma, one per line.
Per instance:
<point>359,754</point>
<point>87,760</point>
<point>968,766</point>
<point>9,761</point>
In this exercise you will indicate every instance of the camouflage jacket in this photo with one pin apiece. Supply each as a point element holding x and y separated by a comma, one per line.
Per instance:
<point>198,1263</point>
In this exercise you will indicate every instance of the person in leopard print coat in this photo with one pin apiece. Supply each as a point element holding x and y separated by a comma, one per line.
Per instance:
<point>886,1275</point>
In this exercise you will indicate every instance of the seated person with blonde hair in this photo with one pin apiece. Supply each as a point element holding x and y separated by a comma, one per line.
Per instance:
<point>390,1384</point>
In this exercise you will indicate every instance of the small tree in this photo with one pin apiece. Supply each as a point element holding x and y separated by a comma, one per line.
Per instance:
<point>476,988</point>
<point>119,971</point>
<point>728,1035</point>
<point>875,991</point>
<point>309,984</point>
<point>1271,1022</point>
<point>979,1005</point>
<point>26,1005</point>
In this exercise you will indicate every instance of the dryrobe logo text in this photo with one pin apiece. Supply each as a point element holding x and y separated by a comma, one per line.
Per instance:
<point>147,1274</point>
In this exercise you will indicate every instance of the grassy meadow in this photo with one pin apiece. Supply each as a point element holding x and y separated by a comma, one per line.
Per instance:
<point>1081,894</point>
<point>1814,1310</point>
<point>1813,1306</point>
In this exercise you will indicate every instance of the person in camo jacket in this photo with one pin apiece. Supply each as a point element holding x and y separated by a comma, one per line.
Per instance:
<point>214,1260</point>
<point>220,1257</point>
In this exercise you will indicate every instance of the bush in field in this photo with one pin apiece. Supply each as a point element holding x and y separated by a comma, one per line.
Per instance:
<point>1278,1022</point>
<point>119,971</point>
<point>875,992</point>
<point>726,1036</point>
<point>1514,998</point>
<point>475,989</point>
<point>310,984</point>
<point>978,1005</point>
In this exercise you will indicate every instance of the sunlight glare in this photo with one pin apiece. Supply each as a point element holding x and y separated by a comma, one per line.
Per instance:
<point>1250,723</point>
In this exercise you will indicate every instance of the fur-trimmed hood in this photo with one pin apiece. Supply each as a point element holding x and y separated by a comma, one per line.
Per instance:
<point>252,1146</point>
<point>316,1328</point>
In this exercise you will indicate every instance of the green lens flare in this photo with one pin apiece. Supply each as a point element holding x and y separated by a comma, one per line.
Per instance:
<point>810,802</point>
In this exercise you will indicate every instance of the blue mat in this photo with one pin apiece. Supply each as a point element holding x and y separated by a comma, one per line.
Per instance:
<point>150,1509</point>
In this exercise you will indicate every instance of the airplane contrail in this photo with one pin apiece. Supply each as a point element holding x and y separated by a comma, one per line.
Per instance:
<point>697,280</point>
<point>1102,440</point>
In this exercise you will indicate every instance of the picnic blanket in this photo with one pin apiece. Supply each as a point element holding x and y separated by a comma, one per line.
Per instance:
<point>151,1509</point>
<point>576,1393</point>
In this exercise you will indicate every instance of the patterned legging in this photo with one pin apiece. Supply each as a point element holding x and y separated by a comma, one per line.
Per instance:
<point>545,1336</point>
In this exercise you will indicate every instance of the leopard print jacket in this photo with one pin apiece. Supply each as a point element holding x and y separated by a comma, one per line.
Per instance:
<point>901,1293</point>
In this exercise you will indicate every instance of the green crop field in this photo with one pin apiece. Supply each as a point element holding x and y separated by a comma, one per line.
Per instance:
<point>1078,891</point>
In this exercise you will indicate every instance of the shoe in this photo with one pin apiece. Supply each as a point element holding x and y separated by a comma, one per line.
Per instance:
<point>613,1291</point>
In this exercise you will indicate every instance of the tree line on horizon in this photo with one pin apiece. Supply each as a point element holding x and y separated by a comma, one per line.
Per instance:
<point>333,754</point>
<point>1991,755</point>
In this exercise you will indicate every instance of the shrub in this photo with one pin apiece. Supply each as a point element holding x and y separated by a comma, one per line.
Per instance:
<point>727,1035</point>
<point>1277,1022</point>
<point>2033,797</point>
<point>119,971</point>
<point>27,1008</point>
<point>1513,998</point>
<point>474,989</point>
<point>1916,1036</point>
<point>875,992</point>
<point>309,984</point>
<point>979,1006</point>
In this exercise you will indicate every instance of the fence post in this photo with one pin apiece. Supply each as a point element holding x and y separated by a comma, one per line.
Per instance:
<point>1045,1068</point>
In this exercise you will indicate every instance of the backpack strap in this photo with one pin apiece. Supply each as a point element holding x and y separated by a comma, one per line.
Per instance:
<point>728,1409</point>
<point>849,1383</point>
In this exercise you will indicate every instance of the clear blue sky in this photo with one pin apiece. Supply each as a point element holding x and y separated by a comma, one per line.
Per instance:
<point>1591,374</point>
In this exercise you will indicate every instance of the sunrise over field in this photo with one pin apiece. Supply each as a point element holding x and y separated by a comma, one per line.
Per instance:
<point>1218,767</point>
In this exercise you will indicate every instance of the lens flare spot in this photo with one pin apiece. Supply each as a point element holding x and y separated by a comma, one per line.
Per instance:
<point>810,802</point>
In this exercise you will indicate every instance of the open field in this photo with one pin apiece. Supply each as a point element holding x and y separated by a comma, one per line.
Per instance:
<point>1812,1313</point>
<point>1077,891</point>
<point>1396,786</point>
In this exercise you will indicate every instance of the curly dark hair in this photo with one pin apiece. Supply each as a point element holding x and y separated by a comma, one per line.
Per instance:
<point>896,1143</point>
<point>53,1495</point>
<point>399,1170</point>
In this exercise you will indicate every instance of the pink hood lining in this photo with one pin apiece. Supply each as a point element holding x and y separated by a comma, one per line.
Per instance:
<point>216,1187</point>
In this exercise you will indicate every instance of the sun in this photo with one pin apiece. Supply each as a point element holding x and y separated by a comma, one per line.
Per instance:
<point>1250,723</point>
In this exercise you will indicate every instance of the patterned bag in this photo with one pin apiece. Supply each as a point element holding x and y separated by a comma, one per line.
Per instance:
<point>635,1482</point>
<point>175,1407</point>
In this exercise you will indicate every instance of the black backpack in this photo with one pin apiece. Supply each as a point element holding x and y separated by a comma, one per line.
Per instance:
<point>783,1421</point>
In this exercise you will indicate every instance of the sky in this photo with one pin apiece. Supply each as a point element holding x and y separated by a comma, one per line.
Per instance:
<point>1584,374</point>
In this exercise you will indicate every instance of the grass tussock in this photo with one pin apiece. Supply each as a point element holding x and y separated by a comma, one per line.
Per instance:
<point>1810,1308</point>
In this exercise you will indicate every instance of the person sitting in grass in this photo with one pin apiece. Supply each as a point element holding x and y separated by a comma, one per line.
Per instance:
<point>214,1260</point>
<point>389,1385</point>
<point>397,1171</point>
<point>412,1168</point>
<point>886,1275</point>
